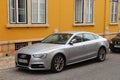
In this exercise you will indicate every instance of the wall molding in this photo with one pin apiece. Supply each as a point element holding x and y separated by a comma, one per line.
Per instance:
<point>17,41</point>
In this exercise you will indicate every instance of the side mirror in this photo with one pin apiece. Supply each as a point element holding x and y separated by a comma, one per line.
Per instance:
<point>73,41</point>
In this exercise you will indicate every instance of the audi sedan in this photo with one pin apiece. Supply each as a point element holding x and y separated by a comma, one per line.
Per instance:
<point>61,49</point>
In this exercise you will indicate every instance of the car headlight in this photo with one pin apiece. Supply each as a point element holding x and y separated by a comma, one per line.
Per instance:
<point>42,56</point>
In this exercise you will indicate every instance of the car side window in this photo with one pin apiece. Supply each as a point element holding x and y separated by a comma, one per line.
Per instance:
<point>88,37</point>
<point>78,38</point>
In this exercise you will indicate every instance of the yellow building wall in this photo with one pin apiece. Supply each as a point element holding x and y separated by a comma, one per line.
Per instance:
<point>27,33</point>
<point>67,17</point>
<point>60,17</point>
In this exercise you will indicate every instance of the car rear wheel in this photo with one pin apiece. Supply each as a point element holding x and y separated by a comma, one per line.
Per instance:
<point>58,63</point>
<point>101,54</point>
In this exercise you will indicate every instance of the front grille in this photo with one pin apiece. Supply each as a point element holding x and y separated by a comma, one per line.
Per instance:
<point>23,59</point>
<point>37,66</point>
<point>116,42</point>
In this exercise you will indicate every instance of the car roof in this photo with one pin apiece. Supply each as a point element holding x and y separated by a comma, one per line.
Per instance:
<point>74,32</point>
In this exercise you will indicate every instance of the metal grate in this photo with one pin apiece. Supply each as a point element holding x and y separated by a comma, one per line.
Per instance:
<point>20,45</point>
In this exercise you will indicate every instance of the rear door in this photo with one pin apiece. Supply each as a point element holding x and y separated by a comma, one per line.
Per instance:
<point>90,47</point>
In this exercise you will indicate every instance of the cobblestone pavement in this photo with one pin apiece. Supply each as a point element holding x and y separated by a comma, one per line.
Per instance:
<point>7,62</point>
<point>88,70</point>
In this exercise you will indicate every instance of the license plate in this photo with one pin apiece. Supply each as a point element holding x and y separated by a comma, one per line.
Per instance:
<point>117,46</point>
<point>23,61</point>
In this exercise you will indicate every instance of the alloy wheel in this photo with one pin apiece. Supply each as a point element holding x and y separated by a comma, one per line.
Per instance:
<point>101,54</point>
<point>58,63</point>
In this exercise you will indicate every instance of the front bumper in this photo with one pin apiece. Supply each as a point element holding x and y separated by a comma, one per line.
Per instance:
<point>113,46</point>
<point>34,64</point>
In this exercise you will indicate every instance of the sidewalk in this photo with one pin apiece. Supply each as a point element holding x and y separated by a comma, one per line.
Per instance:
<point>7,62</point>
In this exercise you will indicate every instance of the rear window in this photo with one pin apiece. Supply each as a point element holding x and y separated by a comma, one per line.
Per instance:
<point>88,37</point>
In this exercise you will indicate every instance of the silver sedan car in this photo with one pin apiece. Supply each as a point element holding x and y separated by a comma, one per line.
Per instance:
<point>61,49</point>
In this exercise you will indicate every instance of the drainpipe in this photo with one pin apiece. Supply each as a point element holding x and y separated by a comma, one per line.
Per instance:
<point>119,29</point>
<point>57,28</point>
<point>105,28</point>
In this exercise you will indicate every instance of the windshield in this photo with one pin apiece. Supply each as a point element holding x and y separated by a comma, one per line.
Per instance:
<point>57,38</point>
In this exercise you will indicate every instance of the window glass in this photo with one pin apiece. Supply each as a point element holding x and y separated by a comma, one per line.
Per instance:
<point>96,36</point>
<point>88,37</point>
<point>18,11</point>
<point>78,38</point>
<point>38,11</point>
<point>21,10</point>
<point>57,38</point>
<point>114,11</point>
<point>12,11</point>
<point>79,9</point>
<point>89,11</point>
<point>84,11</point>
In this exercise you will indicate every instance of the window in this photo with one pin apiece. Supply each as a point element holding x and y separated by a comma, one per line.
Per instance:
<point>84,11</point>
<point>88,37</point>
<point>29,12</point>
<point>18,11</point>
<point>57,38</point>
<point>114,11</point>
<point>20,45</point>
<point>78,38</point>
<point>39,11</point>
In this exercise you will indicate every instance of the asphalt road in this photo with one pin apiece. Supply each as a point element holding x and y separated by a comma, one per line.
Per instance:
<point>88,70</point>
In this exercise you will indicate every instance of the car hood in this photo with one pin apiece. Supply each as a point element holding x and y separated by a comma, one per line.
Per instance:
<point>116,39</point>
<point>39,48</point>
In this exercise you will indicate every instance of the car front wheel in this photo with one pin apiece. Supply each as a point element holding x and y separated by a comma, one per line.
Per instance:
<point>58,63</point>
<point>101,54</point>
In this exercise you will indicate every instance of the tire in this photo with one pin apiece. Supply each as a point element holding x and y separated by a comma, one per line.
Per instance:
<point>101,55</point>
<point>58,63</point>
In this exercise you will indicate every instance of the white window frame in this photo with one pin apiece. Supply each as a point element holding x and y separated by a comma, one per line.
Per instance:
<point>39,21</point>
<point>29,17</point>
<point>84,15</point>
<point>17,13</point>
<point>112,15</point>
